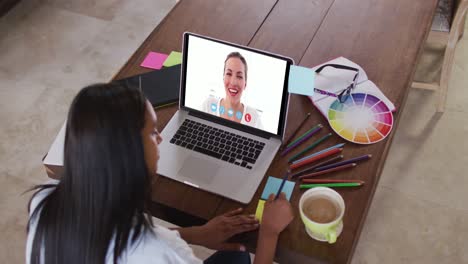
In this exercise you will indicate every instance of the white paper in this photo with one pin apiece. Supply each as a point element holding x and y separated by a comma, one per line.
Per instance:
<point>55,154</point>
<point>335,80</point>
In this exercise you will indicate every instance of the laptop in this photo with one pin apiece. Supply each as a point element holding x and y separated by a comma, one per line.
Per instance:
<point>231,119</point>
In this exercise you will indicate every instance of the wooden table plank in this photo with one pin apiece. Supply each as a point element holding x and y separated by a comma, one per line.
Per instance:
<point>288,30</point>
<point>388,49</point>
<point>392,33</point>
<point>310,32</point>
<point>235,21</point>
<point>383,36</point>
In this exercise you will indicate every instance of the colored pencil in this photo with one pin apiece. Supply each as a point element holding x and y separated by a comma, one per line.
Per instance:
<point>282,184</point>
<point>344,162</point>
<point>306,137</point>
<point>313,145</point>
<point>297,130</point>
<point>326,162</point>
<point>329,181</point>
<point>342,184</point>
<point>319,152</point>
<point>315,158</point>
<point>328,171</point>
<point>302,136</point>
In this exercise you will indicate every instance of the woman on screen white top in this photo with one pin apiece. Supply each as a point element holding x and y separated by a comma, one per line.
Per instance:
<point>235,81</point>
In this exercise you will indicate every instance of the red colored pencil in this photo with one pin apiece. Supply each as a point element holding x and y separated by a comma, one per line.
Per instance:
<point>329,180</point>
<point>328,171</point>
<point>323,163</point>
<point>315,158</point>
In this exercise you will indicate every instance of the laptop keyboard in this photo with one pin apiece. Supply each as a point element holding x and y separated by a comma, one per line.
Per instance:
<point>218,143</point>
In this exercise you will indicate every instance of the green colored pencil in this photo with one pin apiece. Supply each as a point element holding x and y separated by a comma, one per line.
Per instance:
<point>341,184</point>
<point>320,140</point>
<point>303,135</point>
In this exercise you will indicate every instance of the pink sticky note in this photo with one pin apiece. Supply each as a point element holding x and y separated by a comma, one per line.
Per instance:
<point>154,60</point>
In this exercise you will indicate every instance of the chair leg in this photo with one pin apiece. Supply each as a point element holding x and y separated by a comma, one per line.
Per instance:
<point>455,33</point>
<point>445,77</point>
<point>462,29</point>
<point>442,98</point>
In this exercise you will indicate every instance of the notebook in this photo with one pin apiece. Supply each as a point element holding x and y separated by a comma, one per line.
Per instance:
<point>161,87</point>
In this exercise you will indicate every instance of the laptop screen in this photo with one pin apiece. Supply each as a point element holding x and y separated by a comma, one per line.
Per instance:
<point>235,83</point>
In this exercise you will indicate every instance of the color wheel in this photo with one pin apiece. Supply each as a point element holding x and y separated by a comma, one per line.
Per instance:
<point>362,118</point>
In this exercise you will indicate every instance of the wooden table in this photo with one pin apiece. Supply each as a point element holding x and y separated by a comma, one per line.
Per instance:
<point>385,37</point>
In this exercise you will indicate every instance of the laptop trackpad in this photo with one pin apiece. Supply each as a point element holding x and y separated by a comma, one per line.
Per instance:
<point>198,170</point>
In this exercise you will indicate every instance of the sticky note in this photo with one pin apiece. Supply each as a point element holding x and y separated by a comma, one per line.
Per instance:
<point>154,60</point>
<point>173,59</point>
<point>272,186</point>
<point>301,80</point>
<point>259,212</point>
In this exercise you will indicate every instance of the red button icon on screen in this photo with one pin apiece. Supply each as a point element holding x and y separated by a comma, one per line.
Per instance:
<point>248,117</point>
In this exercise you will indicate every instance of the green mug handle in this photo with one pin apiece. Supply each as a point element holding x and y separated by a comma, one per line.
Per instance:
<point>331,235</point>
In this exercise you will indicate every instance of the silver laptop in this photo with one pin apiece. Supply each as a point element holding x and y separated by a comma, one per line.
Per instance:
<point>231,120</point>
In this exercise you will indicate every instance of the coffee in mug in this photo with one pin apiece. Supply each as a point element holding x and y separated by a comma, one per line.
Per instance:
<point>322,210</point>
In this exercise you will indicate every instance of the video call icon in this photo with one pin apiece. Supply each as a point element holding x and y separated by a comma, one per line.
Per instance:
<point>213,107</point>
<point>239,115</point>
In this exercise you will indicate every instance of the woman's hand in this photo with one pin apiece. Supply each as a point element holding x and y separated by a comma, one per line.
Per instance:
<point>223,227</point>
<point>215,232</point>
<point>277,214</point>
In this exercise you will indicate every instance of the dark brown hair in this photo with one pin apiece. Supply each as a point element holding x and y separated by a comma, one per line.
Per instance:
<point>236,54</point>
<point>102,193</point>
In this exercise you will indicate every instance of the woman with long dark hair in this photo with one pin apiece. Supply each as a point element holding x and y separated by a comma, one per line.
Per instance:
<point>96,213</point>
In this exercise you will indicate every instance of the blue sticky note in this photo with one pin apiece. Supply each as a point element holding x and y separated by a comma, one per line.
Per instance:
<point>272,186</point>
<point>301,80</point>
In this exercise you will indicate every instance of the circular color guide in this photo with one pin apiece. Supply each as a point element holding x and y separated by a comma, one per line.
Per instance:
<point>362,118</point>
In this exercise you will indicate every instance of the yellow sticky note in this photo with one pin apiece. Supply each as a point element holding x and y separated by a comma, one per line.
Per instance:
<point>259,212</point>
<point>173,59</point>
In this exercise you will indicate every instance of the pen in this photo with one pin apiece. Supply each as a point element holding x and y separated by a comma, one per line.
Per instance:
<point>282,184</point>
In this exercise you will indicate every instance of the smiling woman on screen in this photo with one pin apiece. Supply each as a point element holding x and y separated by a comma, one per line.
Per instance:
<point>235,82</point>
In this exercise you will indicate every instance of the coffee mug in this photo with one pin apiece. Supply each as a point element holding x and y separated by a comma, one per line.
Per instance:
<point>329,204</point>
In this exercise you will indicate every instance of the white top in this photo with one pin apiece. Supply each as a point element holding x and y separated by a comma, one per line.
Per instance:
<point>250,115</point>
<point>165,246</point>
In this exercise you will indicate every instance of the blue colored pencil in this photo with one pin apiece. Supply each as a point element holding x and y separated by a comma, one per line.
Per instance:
<point>306,137</point>
<point>318,153</point>
<point>344,162</point>
<point>282,184</point>
<point>315,144</point>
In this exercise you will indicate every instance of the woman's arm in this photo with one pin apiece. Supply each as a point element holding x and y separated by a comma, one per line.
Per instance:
<point>276,217</point>
<point>214,233</point>
<point>266,247</point>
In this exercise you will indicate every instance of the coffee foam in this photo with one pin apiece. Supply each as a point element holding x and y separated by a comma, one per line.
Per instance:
<point>321,209</point>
